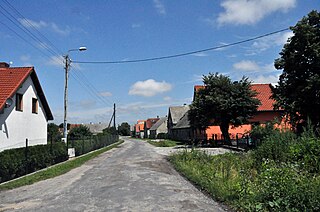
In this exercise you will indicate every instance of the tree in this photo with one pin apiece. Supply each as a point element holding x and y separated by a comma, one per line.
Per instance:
<point>298,90</point>
<point>54,134</point>
<point>110,130</point>
<point>124,129</point>
<point>79,132</point>
<point>223,102</point>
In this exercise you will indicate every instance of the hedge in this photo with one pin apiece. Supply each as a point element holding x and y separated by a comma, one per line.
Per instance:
<point>88,144</point>
<point>13,162</point>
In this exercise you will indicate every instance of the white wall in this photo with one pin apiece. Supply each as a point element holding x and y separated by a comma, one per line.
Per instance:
<point>16,126</point>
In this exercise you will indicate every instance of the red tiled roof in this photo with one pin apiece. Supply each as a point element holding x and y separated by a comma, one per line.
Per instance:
<point>150,122</point>
<point>263,94</point>
<point>10,81</point>
<point>12,78</point>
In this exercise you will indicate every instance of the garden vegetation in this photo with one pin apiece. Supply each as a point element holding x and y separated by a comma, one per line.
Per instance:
<point>282,174</point>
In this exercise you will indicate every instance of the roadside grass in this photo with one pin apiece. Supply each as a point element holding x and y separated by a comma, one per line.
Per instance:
<point>56,170</point>
<point>165,143</point>
<point>283,174</point>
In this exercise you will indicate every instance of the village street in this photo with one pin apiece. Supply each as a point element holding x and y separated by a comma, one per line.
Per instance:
<point>132,177</point>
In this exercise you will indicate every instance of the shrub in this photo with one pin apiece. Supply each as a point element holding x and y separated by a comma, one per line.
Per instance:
<point>162,136</point>
<point>13,162</point>
<point>88,144</point>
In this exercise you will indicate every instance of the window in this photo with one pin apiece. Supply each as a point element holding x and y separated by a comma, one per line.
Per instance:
<point>34,105</point>
<point>19,102</point>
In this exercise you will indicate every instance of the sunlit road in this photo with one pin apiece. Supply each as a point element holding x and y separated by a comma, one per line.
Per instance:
<point>132,177</point>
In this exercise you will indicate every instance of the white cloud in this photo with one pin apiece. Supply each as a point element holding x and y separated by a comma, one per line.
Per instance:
<point>252,66</point>
<point>149,88</point>
<point>268,42</point>
<point>159,7</point>
<point>167,98</point>
<point>266,79</point>
<point>59,30</point>
<point>42,24</point>
<point>106,94</point>
<point>200,54</point>
<point>246,65</point>
<point>30,23</point>
<point>251,11</point>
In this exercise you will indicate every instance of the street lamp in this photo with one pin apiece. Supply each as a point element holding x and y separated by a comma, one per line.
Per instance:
<point>67,67</point>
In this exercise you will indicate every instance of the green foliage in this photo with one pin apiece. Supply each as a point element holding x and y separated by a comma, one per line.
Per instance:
<point>124,129</point>
<point>260,133</point>
<point>298,92</point>
<point>223,102</point>
<point>79,132</point>
<point>13,163</point>
<point>88,144</point>
<point>55,170</point>
<point>110,130</point>
<point>283,174</point>
<point>164,143</point>
<point>54,134</point>
<point>162,136</point>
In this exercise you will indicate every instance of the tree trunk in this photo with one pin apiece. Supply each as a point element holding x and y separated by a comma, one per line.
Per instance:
<point>224,127</point>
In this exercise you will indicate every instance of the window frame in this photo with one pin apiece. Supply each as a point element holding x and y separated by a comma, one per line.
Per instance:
<point>19,102</point>
<point>35,106</point>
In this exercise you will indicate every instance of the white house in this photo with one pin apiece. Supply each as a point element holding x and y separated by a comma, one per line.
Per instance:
<point>24,110</point>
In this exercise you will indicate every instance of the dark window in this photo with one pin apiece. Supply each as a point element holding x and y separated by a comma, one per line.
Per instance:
<point>34,105</point>
<point>19,102</point>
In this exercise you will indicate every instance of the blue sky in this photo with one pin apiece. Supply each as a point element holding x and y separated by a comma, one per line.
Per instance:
<point>127,30</point>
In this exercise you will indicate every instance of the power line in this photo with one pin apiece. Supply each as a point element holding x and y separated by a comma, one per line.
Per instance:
<point>33,27</point>
<point>184,54</point>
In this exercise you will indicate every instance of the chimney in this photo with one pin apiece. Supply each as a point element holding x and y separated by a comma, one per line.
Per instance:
<point>4,65</point>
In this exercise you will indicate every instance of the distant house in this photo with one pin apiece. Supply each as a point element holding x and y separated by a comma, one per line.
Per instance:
<point>175,113</point>
<point>147,125</point>
<point>265,113</point>
<point>96,128</point>
<point>24,110</point>
<point>183,131</point>
<point>159,127</point>
<point>140,129</point>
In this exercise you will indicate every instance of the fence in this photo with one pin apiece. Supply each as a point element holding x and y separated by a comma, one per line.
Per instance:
<point>20,161</point>
<point>87,144</point>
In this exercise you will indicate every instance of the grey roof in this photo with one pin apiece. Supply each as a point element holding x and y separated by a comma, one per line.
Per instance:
<point>96,128</point>
<point>184,122</point>
<point>177,112</point>
<point>158,123</point>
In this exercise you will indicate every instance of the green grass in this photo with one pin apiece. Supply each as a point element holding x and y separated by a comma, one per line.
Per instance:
<point>164,143</point>
<point>235,179</point>
<point>56,170</point>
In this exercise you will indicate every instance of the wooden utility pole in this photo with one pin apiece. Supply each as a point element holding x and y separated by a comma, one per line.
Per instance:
<point>114,116</point>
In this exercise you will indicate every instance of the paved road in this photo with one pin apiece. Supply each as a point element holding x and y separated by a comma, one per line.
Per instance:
<point>132,177</point>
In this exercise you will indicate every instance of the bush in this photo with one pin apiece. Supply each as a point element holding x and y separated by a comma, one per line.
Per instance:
<point>88,144</point>
<point>162,136</point>
<point>13,163</point>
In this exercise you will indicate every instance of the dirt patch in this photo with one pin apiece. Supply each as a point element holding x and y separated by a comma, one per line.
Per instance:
<point>158,166</point>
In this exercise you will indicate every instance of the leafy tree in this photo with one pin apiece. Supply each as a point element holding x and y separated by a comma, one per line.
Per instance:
<point>124,129</point>
<point>110,130</point>
<point>79,132</point>
<point>54,134</point>
<point>223,102</point>
<point>298,90</point>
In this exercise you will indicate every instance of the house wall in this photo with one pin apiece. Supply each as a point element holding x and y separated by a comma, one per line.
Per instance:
<point>161,129</point>
<point>16,126</point>
<point>182,134</point>
<point>260,117</point>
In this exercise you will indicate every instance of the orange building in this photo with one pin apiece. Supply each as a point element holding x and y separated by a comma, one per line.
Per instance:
<point>265,113</point>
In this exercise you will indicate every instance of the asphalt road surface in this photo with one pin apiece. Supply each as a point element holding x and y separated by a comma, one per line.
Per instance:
<point>132,177</point>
